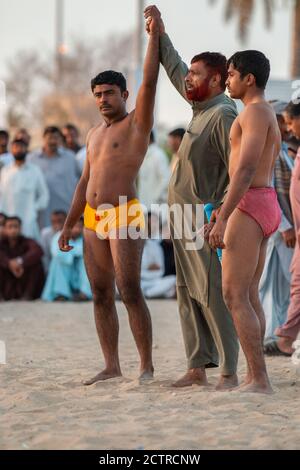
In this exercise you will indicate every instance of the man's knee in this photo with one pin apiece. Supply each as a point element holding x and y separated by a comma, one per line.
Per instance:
<point>130,292</point>
<point>233,297</point>
<point>103,295</point>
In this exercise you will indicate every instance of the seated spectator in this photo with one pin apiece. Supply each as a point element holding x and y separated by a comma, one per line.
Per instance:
<point>67,278</point>
<point>57,222</point>
<point>23,190</point>
<point>2,223</point>
<point>5,157</point>
<point>21,269</point>
<point>153,282</point>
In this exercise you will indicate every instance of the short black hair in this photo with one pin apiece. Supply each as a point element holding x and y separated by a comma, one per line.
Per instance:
<point>59,212</point>
<point>4,216</point>
<point>71,127</point>
<point>109,77</point>
<point>13,217</point>
<point>254,62</point>
<point>19,141</point>
<point>216,62</point>
<point>293,109</point>
<point>4,133</point>
<point>52,130</point>
<point>179,132</point>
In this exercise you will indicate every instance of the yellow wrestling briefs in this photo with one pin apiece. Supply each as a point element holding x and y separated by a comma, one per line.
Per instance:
<point>103,221</point>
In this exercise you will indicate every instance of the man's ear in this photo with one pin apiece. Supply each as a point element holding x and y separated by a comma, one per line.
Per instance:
<point>215,80</point>
<point>125,95</point>
<point>251,80</point>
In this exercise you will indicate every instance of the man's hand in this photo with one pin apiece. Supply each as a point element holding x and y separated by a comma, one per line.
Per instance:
<point>154,21</point>
<point>15,268</point>
<point>63,241</point>
<point>289,238</point>
<point>216,236</point>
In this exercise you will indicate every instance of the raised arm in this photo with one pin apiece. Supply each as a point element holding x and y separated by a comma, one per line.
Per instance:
<point>170,59</point>
<point>143,115</point>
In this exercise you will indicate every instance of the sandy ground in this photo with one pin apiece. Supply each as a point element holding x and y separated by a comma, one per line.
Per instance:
<point>43,405</point>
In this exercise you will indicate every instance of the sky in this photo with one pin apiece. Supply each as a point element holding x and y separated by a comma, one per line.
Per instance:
<point>193,26</point>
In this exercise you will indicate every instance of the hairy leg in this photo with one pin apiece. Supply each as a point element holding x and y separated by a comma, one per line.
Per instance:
<point>126,254</point>
<point>243,240</point>
<point>100,271</point>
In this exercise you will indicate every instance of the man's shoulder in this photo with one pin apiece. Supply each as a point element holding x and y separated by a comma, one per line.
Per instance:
<point>226,108</point>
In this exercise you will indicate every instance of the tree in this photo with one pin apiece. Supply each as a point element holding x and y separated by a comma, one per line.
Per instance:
<point>244,9</point>
<point>34,96</point>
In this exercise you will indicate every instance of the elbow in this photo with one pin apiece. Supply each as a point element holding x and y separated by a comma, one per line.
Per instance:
<point>245,174</point>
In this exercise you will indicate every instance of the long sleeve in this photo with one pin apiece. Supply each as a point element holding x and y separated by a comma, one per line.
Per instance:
<point>33,254</point>
<point>42,192</point>
<point>173,64</point>
<point>3,259</point>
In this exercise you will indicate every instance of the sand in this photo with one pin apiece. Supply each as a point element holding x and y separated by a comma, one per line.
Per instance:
<point>51,348</point>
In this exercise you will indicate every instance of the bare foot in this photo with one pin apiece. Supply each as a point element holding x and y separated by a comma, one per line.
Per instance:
<point>192,377</point>
<point>146,374</point>
<point>255,387</point>
<point>104,375</point>
<point>285,345</point>
<point>227,382</point>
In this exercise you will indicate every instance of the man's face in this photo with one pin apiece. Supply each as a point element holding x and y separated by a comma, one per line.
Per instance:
<point>23,135</point>
<point>3,144</point>
<point>19,151</point>
<point>197,82</point>
<point>52,141</point>
<point>295,126</point>
<point>71,136</point>
<point>110,100</point>
<point>285,134</point>
<point>12,229</point>
<point>174,143</point>
<point>57,222</point>
<point>235,85</point>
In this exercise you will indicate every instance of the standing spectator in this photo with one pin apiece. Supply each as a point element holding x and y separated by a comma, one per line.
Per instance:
<point>288,332</point>
<point>71,138</point>
<point>23,190</point>
<point>57,222</point>
<point>154,176</point>
<point>274,288</point>
<point>21,269</point>
<point>60,170</point>
<point>5,157</point>
<point>174,140</point>
<point>23,134</point>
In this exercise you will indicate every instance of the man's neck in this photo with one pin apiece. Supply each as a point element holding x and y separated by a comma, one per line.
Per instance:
<point>19,163</point>
<point>254,96</point>
<point>117,118</point>
<point>50,153</point>
<point>13,242</point>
